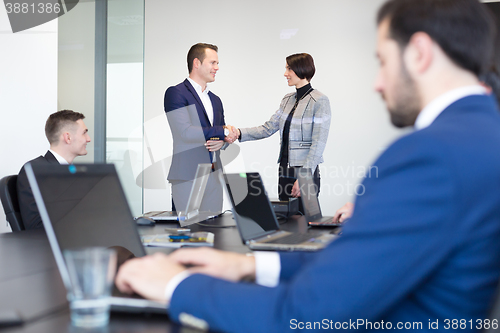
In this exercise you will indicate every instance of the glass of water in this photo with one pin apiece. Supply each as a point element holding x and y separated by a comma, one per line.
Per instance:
<point>91,272</point>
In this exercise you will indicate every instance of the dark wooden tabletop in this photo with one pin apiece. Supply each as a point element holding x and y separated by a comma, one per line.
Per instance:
<point>30,283</point>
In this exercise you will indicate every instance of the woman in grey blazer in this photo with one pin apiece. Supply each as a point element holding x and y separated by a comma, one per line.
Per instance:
<point>303,120</point>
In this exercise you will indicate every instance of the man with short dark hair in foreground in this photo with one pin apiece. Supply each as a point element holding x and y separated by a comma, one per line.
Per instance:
<point>422,249</point>
<point>68,137</point>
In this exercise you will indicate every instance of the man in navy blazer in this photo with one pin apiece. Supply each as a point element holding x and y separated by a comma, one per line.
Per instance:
<point>422,249</point>
<point>68,137</point>
<point>196,119</point>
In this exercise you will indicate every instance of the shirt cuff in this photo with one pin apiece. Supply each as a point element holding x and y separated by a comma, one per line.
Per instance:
<point>173,283</point>
<point>267,268</point>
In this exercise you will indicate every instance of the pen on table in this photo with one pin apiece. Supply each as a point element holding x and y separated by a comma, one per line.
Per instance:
<point>178,230</point>
<point>179,237</point>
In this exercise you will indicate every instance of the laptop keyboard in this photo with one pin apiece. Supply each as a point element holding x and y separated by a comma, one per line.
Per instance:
<point>165,214</point>
<point>117,293</point>
<point>291,239</point>
<point>325,221</point>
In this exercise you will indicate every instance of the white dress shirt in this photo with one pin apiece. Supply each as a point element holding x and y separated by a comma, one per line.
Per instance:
<point>437,105</point>
<point>205,99</point>
<point>207,104</point>
<point>58,157</point>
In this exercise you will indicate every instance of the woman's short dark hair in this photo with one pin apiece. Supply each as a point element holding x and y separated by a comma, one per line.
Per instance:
<point>302,64</point>
<point>464,29</point>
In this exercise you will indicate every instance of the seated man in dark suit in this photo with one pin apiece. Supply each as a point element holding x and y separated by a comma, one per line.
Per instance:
<point>68,137</point>
<point>421,251</point>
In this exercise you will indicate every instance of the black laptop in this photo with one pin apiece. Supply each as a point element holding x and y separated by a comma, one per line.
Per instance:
<point>257,222</point>
<point>84,206</point>
<point>309,197</point>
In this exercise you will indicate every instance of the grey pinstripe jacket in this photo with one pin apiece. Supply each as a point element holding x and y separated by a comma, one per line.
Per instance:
<point>308,130</point>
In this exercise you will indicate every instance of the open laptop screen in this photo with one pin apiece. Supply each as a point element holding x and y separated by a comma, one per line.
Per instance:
<point>308,193</point>
<point>251,207</point>
<point>86,206</point>
<point>197,189</point>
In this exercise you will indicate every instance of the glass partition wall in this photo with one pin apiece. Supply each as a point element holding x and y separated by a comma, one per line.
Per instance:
<point>100,74</point>
<point>75,72</point>
<point>124,95</point>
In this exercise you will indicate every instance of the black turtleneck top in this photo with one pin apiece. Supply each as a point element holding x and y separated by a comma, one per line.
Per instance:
<point>301,92</point>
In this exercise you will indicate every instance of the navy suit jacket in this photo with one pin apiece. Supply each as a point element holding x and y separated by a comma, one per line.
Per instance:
<point>191,128</point>
<point>423,243</point>
<point>27,205</point>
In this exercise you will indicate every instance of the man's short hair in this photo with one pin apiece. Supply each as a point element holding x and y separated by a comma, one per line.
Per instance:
<point>464,29</point>
<point>198,51</point>
<point>492,79</point>
<point>302,64</point>
<point>58,121</point>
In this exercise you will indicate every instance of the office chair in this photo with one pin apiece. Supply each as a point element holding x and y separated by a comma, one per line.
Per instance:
<point>8,195</point>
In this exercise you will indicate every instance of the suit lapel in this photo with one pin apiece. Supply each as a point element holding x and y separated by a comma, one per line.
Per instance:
<point>51,158</point>
<point>197,98</point>
<point>217,112</point>
<point>302,106</point>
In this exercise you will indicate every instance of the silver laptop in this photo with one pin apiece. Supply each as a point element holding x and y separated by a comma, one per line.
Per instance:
<point>83,206</point>
<point>192,213</point>
<point>309,197</point>
<point>163,215</point>
<point>256,221</point>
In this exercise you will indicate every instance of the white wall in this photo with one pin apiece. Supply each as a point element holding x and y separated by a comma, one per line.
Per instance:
<point>339,34</point>
<point>28,93</point>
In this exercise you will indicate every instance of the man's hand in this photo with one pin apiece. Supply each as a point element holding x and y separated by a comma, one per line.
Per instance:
<point>214,145</point>
<point>343,213</point>
<point>220,264</point>
<point>148,276</point>
<point>233,134</point>
<point>296,189</point>
<point>237,132</point>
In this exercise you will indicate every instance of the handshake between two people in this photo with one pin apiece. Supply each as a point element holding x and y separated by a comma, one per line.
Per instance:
<point>233,135</point>
<point>214,145</point>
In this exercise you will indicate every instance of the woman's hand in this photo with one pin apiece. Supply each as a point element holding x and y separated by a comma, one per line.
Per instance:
<point>296,189</point>
<point>233,135</point>
<point>344,212</point>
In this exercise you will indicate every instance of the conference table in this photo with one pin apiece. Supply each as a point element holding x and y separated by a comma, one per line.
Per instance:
<point>30,283</point>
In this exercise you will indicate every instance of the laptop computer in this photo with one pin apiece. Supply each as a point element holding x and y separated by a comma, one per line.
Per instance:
<point>310,202</point>
<point>256,221</point>
<point>192,213</point>
<point>84,206</point>
<point>163,215</point>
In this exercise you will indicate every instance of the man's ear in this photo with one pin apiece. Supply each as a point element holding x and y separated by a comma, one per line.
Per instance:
<point>419,53</point>
<point>196,63</point>
<point>66,137</point>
